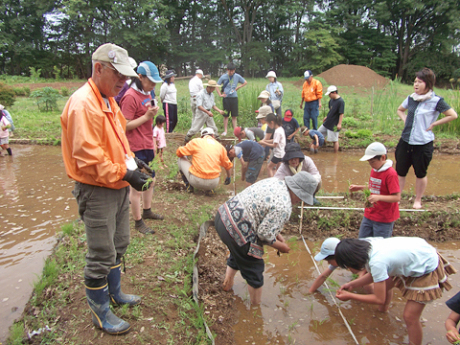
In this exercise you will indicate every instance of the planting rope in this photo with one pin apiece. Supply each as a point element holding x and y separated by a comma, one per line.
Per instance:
<point>203,229</point>
<point>325,283</point>
<point>353,208</point>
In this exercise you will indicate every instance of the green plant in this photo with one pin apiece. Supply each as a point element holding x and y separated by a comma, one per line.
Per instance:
<point>65,91</point>
<point>46,98</point>
<point>35,73</point>
<point>7,95</point>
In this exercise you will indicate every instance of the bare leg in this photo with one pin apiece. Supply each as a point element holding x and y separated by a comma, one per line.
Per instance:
<point>147,197</point>
<point>420,186</point>
<point>270,171</point>
<point>402,182</point>
<point>255,294</point>
<point>225,124</point>
<point>234,122</point>
<point>336,146</point>
<point>135,199</point>
<point>412,313</point>
<point>229,278</point>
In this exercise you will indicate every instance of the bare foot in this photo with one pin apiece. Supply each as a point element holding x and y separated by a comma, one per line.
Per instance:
<point>417,205</point>
<point>228,284</point>
<point>384,308</point>
<point>165,165</point>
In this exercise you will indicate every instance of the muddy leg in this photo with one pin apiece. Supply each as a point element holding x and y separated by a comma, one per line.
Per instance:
<point>420,186</point>
<point>255,294</point>
<point>389,295</point>
<point>229,278</point>
<point>412,313</point>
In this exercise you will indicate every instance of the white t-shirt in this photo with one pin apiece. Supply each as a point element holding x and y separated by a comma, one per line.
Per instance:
<point>195,86</point>
<point>168,93</point>
<point>279,137</point>
<point>401,256</point>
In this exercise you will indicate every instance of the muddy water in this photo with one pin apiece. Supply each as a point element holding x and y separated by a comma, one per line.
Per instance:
<point>35,199</point>
<point>337,169</point>
<point>288,314</point>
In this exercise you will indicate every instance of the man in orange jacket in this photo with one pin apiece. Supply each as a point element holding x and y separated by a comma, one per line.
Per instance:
<point>97,156</point>
<point>208,156</point>
<point>312,93</point>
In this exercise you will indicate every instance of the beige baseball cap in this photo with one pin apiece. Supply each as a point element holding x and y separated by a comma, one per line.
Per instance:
<point>117,56</point>
<point>264,111</point>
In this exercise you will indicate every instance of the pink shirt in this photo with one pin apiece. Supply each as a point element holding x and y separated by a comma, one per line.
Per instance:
<point>133,105</point>
<point>4,133</point>
<point>159,135</point>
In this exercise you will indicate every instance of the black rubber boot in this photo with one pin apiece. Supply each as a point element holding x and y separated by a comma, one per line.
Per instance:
<point>99,303</point>
<point>115,293</point>
<point>9,151</point>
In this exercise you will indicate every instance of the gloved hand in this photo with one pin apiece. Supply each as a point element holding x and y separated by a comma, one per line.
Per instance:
<point>141,164</point>
<point>138,180</point>
<point>227,181</point>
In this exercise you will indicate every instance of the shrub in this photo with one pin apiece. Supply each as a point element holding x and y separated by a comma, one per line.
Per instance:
<point>21,91</point>
<point>361,133</point>
<point>46,98</point>
<point>65,91</point>
<point>7,95</point>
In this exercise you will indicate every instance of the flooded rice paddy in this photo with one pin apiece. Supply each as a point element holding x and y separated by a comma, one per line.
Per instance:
<point>288,314</point>
<point>36,199</point>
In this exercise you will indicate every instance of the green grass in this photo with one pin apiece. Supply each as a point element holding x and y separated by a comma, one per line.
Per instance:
<point>365,109</point>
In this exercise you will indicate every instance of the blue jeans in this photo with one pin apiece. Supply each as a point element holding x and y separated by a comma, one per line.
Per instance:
<point>311,111</point>
<point>370,228</point>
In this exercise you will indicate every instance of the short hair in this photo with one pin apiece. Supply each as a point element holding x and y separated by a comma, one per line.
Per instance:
<point>352,253</point>
<point>428,76</point>
<point>231,66</point>
<point>160,119</point>
<point>329,257</point>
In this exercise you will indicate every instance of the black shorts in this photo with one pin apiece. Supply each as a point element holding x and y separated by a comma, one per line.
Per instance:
<point>230,106</point>
<point>418,156</point>
<point>147,156</point>
<point>276,160</point>
<point>251,269</point>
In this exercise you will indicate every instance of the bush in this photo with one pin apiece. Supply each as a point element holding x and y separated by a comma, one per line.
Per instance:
<point>362,133</point>
<point>21,91</point>
<point>65,91</point>
<point>46,98</point>
<point>7,95</point>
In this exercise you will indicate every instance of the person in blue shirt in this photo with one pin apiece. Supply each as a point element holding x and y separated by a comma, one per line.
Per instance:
<point>229,83</point>
<point>317,139</point>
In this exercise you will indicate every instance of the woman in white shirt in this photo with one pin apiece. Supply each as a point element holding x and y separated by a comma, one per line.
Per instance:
<point>168,96</point>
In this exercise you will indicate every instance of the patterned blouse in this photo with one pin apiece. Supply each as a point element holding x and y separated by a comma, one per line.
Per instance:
<point>257,214</point>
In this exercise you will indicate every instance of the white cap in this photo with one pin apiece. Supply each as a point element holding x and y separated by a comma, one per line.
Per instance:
<point>199,71</point>
<point>132,62</point>
<point>327,248</point>
<point>271,74</point>
<point>331,88</point>
<point>307,74</point>
<point>374,149</point>
<point>207,131</point>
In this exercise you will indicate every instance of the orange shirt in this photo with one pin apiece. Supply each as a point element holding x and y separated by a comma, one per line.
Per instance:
<point>313,91</point>
<point>94,142</point>
<point>208,155</point>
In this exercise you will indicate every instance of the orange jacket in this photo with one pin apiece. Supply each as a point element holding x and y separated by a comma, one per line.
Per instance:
<point>93,152</point>
<point>208,155</point>
<point>312,92</point>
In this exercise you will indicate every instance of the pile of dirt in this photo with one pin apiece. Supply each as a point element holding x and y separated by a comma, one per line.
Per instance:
<point>351,76</point>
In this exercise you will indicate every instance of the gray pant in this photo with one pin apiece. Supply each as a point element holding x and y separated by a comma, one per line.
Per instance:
<point>193,106</point>
<point>198,121</point>
<point>196,182</point>
<point>105,213</point>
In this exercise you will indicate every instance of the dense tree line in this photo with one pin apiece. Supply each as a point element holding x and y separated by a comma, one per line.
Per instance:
<point>393,37</point>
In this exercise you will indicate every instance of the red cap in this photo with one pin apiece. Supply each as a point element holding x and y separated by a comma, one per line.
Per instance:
<point>237,132</point>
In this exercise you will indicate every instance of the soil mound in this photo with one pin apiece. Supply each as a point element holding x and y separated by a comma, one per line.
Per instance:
<point>351,76</point>
<point>354,76</point>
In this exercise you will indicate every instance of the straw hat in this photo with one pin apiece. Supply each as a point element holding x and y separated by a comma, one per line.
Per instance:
<point>211,83</point>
